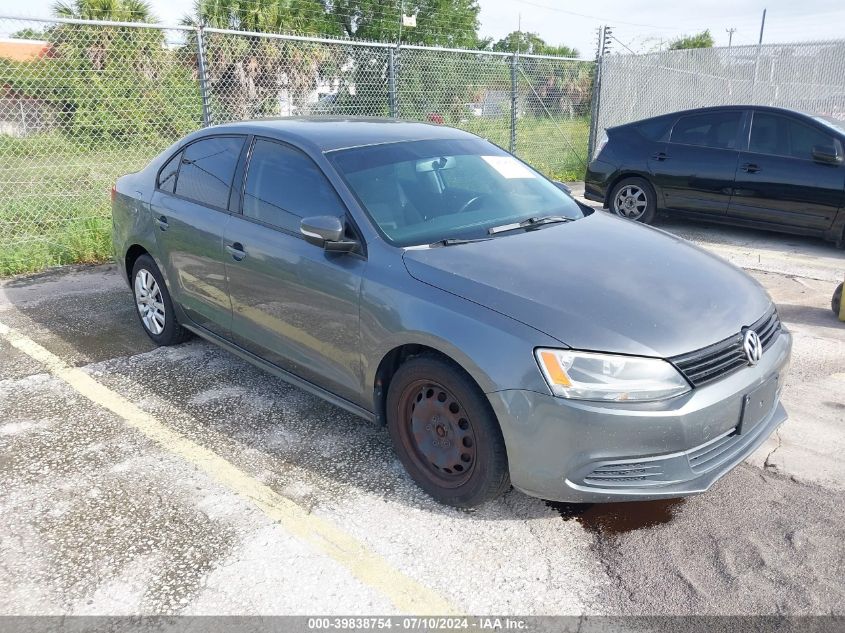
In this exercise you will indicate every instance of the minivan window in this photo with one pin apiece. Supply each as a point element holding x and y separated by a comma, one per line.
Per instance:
<point>167,175</point>
<point>283,185</point>
<point>711,129</point>
<point>782,136</point>
<point>207,169</point>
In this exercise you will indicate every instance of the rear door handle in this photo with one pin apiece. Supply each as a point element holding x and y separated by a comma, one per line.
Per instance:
<point>659,156</point>
<point>236,250</point>
<point>751,168</point>
<point>162,222</point>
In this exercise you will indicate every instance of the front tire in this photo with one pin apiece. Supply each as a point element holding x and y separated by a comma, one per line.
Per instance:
<point>634,199</point>
<point>836,301</point>
<point>445,433</point>
<point>153,304</point>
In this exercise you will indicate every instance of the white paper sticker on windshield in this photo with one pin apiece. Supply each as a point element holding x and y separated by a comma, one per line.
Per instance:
<point>509,167</point>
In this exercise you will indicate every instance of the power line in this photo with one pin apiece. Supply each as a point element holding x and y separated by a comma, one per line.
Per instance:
<point>593,17</point>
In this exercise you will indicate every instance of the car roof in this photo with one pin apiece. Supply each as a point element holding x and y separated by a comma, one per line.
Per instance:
<point>328,134</point>
<point>738,106</point>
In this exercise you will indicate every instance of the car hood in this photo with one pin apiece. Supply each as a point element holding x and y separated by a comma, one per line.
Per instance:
<point>602,284</point>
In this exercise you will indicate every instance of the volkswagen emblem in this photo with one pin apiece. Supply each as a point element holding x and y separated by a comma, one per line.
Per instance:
<point>753,346</point>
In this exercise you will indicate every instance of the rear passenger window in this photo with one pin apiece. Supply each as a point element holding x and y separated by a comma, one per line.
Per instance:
<point>167,175</point>
<point>773,134</point>
<point>654,129</point>
<point>711,129</point>
<point>283,185</point>
<point>208,167</point>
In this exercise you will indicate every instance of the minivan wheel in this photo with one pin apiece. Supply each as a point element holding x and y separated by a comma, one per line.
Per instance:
<point>836,301</point>
<point>153,304</point>
<point>445,433</point>
<point>634,199</point>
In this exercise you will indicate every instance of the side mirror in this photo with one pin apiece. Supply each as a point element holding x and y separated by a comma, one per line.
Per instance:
<point>826,154</point>
<point>563,187</point>
<point>326,231</point>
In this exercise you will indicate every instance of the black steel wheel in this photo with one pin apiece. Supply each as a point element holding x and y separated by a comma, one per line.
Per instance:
<point>445,433</point>
<point>438,433</point>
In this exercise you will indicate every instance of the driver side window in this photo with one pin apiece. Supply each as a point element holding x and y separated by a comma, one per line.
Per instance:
<point>283,185</point>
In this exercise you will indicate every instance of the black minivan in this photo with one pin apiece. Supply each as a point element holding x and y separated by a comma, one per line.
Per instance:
<point>757,166</point>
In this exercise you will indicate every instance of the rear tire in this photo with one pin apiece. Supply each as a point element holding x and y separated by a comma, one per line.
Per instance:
<point>445,433</point>
<point>836,301</point>
<point>153,304</point>
<point>634,199</point>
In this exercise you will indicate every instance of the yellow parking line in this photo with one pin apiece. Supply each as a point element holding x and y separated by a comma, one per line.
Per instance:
<point>407,595</point>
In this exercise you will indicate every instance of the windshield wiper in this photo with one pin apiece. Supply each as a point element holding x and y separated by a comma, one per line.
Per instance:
<point>452,241</point>
<point>529,223</point>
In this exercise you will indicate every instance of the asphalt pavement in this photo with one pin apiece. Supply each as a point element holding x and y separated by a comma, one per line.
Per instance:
<point>143,480</point>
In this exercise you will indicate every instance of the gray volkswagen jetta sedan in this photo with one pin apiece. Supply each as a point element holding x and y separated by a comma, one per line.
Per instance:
<point>421,277</point>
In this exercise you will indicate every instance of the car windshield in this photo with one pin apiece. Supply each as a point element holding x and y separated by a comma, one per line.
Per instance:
<point>836,124</point>
<point>421,192</point>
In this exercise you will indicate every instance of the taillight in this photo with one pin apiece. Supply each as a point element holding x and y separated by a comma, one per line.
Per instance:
<point>601,143</point>
<point>113,192</point>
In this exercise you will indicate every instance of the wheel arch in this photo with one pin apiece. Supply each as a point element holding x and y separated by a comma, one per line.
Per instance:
<point>132,255</point>
<point>393,359</point>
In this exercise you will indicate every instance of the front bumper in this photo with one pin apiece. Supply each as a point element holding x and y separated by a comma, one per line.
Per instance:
<point>579,451</point>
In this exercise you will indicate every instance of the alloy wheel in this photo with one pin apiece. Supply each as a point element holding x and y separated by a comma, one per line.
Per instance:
<point>631,202</point>
<point>149,302</point>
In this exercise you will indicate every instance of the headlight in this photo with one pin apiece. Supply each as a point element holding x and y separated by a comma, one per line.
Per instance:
<point>589,376</point>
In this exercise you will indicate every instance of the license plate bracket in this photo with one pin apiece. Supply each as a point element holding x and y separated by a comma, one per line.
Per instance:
<point>757,405</point>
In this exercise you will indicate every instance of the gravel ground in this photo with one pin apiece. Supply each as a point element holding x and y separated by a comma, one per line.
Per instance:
<point>97,518</point>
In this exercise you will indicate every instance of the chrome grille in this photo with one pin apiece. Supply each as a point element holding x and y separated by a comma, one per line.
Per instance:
<point>720,359</point>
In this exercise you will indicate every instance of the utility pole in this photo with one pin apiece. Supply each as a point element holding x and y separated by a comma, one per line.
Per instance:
<point>608,35</point>
<point>731,32</point>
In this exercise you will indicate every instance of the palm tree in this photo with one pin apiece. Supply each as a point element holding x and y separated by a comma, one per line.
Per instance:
<point>117,10</point>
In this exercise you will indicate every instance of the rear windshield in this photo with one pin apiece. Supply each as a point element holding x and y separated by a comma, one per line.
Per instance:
<point>419,192</point>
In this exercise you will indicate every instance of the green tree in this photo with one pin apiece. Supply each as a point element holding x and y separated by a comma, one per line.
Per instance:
<point>531,43</point>
<point>117,10</point>
<point>109,84</point>
<point>439,22</point>
<point>699,40</point>
<point>273,16</point>
<point>29,34</point>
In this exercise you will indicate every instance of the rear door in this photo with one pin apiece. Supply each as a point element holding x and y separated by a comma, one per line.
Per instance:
<point>294,304</point>
<point>695,169</point>
<point>778,181</point>
<point>190,210</point>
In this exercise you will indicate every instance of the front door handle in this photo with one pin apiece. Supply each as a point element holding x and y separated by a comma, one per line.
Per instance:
<point>162,222</point>
<point>659,156</point>
<point>751,168</point>
<point>236,250</point>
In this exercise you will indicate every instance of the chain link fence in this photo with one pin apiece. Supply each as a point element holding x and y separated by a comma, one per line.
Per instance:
<point>807,76</point>
<point>82,103</point>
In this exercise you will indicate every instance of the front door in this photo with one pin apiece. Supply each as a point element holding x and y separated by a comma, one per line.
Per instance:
<point>695,170</point>
<point>778,181</point>
<point>189,210</point>
<point>294,304</point>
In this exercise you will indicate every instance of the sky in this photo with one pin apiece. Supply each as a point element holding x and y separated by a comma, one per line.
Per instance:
<point>638,25</point>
